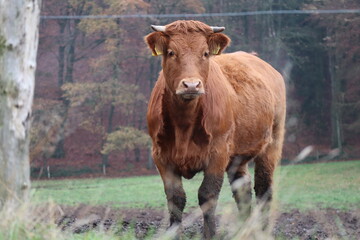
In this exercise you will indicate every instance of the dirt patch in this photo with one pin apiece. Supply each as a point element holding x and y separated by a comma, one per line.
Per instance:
<point>315,224</point>
<point>319,224</point>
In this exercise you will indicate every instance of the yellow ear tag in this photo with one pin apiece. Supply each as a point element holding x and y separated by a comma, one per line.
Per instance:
<point>157,52</point>
<point>216,50</point>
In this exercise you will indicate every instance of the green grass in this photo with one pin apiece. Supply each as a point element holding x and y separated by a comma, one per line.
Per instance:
<point>308,186</point>
<point>334,185</point>
<point>325,185</point>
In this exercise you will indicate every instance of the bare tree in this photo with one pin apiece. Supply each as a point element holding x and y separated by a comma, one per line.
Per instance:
<point>18,47</point>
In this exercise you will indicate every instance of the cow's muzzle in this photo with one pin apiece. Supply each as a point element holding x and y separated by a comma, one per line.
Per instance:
<point>190,88</point>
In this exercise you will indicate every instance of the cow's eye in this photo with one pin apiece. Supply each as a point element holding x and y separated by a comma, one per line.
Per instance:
<point>171,53</point>
<point>206,54</point>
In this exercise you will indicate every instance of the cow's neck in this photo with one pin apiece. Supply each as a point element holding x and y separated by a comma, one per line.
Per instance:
<point>184,113</point>
<point>185,117</point>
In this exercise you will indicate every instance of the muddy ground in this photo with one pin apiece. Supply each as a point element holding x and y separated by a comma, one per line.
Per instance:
<point>315,224</point>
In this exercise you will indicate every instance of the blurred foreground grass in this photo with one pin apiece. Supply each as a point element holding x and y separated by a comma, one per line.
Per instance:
<point>304,186</point>
<point>308,186</point>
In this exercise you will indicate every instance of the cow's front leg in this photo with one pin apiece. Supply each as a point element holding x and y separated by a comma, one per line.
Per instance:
<point>176,198</point>
<point>175,195</point>
<point>208,196</point>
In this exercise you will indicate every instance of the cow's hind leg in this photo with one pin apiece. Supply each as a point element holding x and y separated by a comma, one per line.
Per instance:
<point>265,164</point>
<point>240,181</point>
<point>264,170</point>
<point>208,196</point>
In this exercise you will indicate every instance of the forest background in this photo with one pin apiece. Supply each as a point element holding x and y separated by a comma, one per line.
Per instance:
<point>94,77</point>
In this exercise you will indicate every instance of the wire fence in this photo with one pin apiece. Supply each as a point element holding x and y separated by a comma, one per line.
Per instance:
<point>199,15</point>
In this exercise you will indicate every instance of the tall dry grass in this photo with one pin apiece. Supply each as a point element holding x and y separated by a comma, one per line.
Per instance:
<point>28,222</point>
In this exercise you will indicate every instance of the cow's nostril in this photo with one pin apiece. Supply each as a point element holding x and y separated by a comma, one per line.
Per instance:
<point>190,88</point>
<point>191,85</point>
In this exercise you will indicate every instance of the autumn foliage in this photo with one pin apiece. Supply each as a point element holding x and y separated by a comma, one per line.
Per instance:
<point>95,75</point>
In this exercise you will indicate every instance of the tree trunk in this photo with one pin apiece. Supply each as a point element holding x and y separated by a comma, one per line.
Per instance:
<point>66,59</point>
<point>336,125</point>
<point>18,47</point>
<point>105,157</point>
<point>71,59</point>
<point>62,46</point>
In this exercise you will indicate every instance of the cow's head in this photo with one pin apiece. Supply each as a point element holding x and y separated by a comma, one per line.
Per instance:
<point>186,47</point>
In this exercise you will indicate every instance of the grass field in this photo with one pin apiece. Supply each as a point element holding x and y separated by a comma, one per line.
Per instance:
<point>334,187</point>
<point>322,185</point>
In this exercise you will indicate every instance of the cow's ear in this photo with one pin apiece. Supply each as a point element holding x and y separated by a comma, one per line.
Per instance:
<point>218,42</point>
<point>157,42</point>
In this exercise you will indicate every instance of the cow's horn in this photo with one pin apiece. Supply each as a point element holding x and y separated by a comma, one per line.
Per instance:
<point>217,29</point>
<point>158,28</point>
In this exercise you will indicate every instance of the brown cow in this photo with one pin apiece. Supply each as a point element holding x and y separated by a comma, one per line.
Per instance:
<point>212,113</point>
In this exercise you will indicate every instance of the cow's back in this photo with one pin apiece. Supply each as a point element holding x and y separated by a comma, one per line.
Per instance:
<point>245,70</point>
<point>261,100</point>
